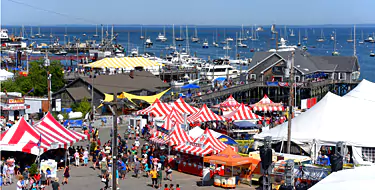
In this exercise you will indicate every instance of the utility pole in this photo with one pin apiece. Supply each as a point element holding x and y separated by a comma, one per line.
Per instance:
<point>93,76</point>
<point>113,107</point>
<point>291,102</point>
<point>47,64</point>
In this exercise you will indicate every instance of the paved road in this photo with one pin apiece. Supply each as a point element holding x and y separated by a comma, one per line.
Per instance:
<point>86,178</point>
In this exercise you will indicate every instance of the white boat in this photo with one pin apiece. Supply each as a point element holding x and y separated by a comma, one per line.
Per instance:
<point>215,71</point>
<point>362,41</point>
<point>4,37</point>
<point>283,47</point>
<point>227,47</point>
<point>179,83</point>
<point>180,38</point>
<point>61,52</point>
<point>142,37</point>
<point>195,38</point>
<point>350,40</point>
<point>372,54</point>
<point>292,33</point>
<point>161,37</point>
<point>39,34</point>
<point>370,38</point>
<point>205,44</point>
<point>229,39</point>
<point>36,52</point>
<point>96,32</point>
<point>305,38</point>
<point>31,33</point>
<point>260,29</point>
<point>134,52</point>
<point>321,38</point>
<point>148,42</point>
<point>335,52</point>
<point>241,45</point>
<point>273,29</point>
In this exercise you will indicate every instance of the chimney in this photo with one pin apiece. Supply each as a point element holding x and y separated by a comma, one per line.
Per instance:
<point>131,74</point>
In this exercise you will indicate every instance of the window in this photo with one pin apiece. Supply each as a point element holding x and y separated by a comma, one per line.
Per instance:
<point>333,76</point>
<point>253,77</point>
<point>342,76</point>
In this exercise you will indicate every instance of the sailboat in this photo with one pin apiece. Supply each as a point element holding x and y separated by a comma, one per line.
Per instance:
<point>224,41</point>
<point>333,35</point>
<point>335,52</point>
<point>66,31</point>
<point>195,38</point>
<point>321,38</point>
<point>142,37</point>
<point>254,34</point>
<point>173,46</point>
<point>299,38</point>
<point>362,41</point>
<point>227,47</point>
<point>39,34</point>
<point>51,35</point>
<point>96,32</point>
<point>31,33</point>
<point>305,38</point>
<point>180,38</point>
<point>161,37</point>
<point>244,37</point>
<point>292,33</point>
<point>273,29</point>
<point>350,40</point>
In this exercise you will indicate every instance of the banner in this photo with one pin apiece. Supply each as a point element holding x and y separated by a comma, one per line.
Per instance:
<point>51,164</point>
<point>272,83</point>
<point>283,84</point>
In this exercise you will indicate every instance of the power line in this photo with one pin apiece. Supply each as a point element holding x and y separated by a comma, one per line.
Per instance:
<point>53,12</point>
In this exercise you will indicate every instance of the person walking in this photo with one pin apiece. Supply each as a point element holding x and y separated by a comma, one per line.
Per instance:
<point>25,175</point>
<point>55,184</point>
<point>168,172</point>
<point>20,183</point>
<point>137,166</point>
<point>103,167</point>
<point>154,177</point>
<point>76,157</point>
<point>66,175</point>
<point>85,157</point>
<point>160,177</point>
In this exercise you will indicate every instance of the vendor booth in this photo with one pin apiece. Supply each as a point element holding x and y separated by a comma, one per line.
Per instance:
<point>228,167</point>
<point>267,105</point>
<point>228,105</point>
<point>204,115</point>
<point>183,108</point>
<point>158,109</point>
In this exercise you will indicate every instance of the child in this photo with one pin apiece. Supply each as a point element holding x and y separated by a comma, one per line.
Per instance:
<point>177,186</point>
<point>171,187</point>
<point>166,187</point>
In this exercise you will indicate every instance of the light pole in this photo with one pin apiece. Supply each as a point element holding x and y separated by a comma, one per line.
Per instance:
<point>47,64</point>
<point>92,76</point>
<point>291,102</point>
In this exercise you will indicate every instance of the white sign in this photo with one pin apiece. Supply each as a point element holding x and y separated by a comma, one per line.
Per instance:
<point>49,164</point>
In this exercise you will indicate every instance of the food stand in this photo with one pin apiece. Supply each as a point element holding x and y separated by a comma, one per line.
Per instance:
<point>236,167</point>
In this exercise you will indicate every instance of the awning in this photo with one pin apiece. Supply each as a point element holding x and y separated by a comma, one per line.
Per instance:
<point>125,63</point>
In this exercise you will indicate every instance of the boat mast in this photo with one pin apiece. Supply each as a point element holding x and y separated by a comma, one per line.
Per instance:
<point>174,40</point>
<point>299,36</point>
<point>237,43</point>
<point>112,34</point>
<point>354,47</point>
<point>102,34</point>
<point>187,41</point>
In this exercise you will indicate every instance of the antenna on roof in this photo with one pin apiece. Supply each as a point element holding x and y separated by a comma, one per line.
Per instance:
<point>354,48</point>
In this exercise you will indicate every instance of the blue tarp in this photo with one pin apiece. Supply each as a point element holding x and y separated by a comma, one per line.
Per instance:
<point>190,86</point>
<point>220,79</point>
<point>66,110</point>
<point>227,140</point>
<point>73,123</point>
<point>272,83</point>
<point>245,125</point>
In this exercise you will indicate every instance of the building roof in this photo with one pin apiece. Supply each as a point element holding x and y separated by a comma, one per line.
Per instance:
<point>142,80</point>
<point>79,93</point>
<point>306,63</point>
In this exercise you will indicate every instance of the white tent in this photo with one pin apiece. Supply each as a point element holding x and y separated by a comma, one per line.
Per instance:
<point>332,119</point>
<point>358,178</point>
<point>197,132</point>
<point>5,75</point>
<point>364,91</point>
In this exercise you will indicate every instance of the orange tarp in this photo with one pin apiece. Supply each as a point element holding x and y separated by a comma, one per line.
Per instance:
<point>228,157</point>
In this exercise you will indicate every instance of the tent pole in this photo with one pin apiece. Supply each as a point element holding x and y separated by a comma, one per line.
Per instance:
<point>282,146</point>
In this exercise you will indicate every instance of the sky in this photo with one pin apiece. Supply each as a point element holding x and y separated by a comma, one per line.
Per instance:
<point>198,12</point>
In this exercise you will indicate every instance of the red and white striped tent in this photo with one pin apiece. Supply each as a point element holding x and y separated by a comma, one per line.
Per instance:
<point>242,113</point>
<point>24,138</point>
<point>266,104</point>
<point>183,107</point>
<point>175,116</point>
<point>203,115</point>
<point>53,130</point>
<point>203,145</point>
<point>179,136</point>
<point>229,104</point>
<point>157,109</point>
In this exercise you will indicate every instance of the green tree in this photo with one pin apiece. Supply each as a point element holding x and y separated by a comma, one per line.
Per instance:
<point>37,79</point>
<point>84,107</point>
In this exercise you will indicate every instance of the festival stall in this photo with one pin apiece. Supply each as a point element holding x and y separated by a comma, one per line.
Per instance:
<point>24,138</point>
<point>158,109</point>
<point>182,107</point>
<point>228,167</point>
<point>204,115</point>
<point>61,137</point>
<point>200,147</point>
<point>267,105</point>
<point>229,104</point>
<point>242,112</point>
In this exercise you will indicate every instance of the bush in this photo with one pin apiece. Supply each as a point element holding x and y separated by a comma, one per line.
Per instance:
<point>33,169</point>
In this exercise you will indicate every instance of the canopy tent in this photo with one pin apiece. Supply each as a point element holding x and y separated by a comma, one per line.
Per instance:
<point>5,75</point>
<point>50,128</point>
<point>204,115</point>
<point>229,104</point>
<point>357,178</point>
<point>157,109</point>
<point>203,145</point>
<point>173,116</point>
<point>228,157</point>
<point>242,113</point>
<point>131,97</point>
<point>197,132</point>
<point>331,120</point>
<point>128,63</point>
<point>227,140</point>
<point>266,104</point>
<point>190,86</point>
<point>178,136</point>
<point>182,107</point>
<point>364,91</point>
<point>24,138</point>
<point>245,125</point>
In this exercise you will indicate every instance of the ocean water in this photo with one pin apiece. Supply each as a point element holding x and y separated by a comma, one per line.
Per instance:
<point>129,37</point>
